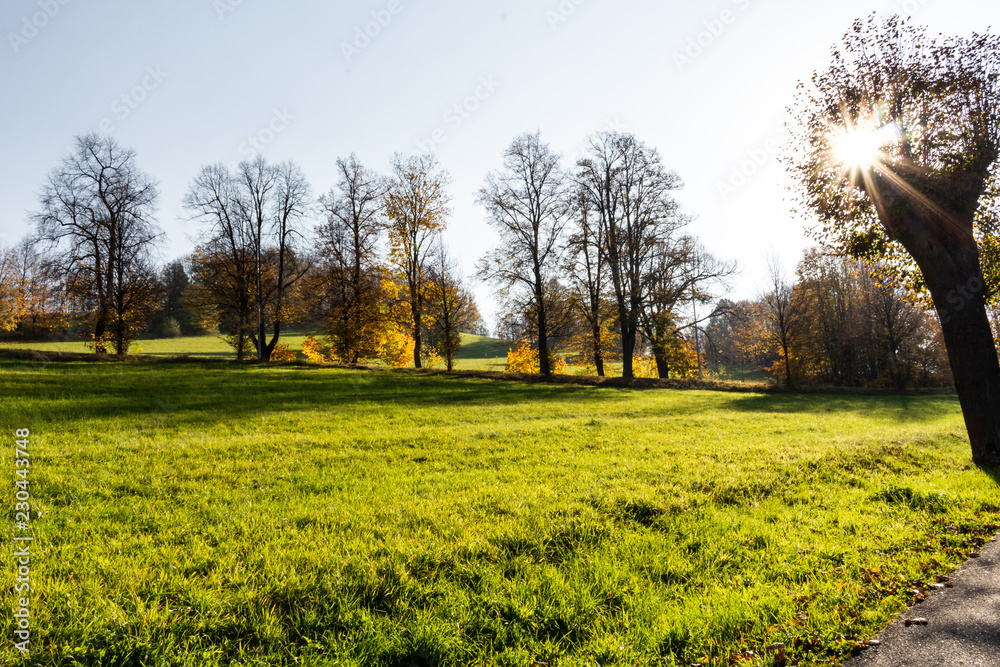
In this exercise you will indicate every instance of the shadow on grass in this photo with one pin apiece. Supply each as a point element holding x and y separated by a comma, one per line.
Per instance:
<point>204,392</point>
<point>902,408</point>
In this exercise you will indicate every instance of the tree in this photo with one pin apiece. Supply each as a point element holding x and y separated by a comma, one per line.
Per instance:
<point>254,216</point>
<point>96,226</point>
<point>586,274</point>
<point>351,274</point>
<point>782,316</point>
<point>451,308</point>
<point>899,141</point>
<point>417,205</point>
<point>10,310</point>
<point>629,190</point>
<point>222,266</point>
<point>682,274</point>
<point>525,202</point>
<point>173,302</point>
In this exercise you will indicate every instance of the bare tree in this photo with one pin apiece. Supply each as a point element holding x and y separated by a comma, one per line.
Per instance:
<point>898,144</point>
<point>351,269</point>
<point>96,225</point>
<point>630,191</point>
<point>586,274</point>
<point>526,206</point>
<point>223,264</point>
<point>254,216</point>
<point>417,206</point>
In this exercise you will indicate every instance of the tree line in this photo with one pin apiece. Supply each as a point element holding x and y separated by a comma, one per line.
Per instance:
<point>593,264</point>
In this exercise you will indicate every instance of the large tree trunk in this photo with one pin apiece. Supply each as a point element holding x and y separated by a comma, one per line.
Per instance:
<point>628,351</point>
<point>662,365</point>
<point>956,283</point>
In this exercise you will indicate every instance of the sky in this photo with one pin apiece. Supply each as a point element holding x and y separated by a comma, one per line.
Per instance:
<point>193,82</point>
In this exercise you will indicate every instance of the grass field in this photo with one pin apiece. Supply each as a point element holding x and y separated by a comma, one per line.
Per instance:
<point>208,513</point>
<point>476,352</point>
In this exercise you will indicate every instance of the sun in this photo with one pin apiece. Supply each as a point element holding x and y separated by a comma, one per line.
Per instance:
<point>857,149</point>
<point>862,147</point>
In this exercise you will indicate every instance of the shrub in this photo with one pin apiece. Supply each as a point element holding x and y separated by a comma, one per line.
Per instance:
<point>170,328</point>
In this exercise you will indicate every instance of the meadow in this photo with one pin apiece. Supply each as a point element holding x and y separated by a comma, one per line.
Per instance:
<point>476,353</point>
<point>212,513</point>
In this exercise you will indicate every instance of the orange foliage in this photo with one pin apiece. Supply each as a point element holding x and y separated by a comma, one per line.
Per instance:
<point>282,353</point>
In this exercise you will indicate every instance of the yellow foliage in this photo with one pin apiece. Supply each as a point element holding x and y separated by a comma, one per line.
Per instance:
<point>683,359</point>
<point>645,367</point>
<point>522,360</point>
<point>313,351</point>
<point>558,365</point>
<point>432,359</point>
<point>102,344</point>
<point>318,351</point>
<point>396,348</point>
<point>282,353</point>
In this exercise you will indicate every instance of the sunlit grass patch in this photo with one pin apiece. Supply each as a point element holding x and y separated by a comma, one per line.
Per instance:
<point>210,514</point>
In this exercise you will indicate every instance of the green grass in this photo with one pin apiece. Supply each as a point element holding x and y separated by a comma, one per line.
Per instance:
<point>220,514</point>
<point>476,352</point>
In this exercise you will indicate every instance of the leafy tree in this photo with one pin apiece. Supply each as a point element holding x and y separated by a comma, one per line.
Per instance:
<point>417,206</point>
<point>97,230</point>
<point>526,205</point>
<point>682,274</point>
<point>898,143</point>
<point>173,303</point>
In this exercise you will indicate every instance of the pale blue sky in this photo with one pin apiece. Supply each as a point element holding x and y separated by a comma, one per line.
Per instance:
<point>189,82</point>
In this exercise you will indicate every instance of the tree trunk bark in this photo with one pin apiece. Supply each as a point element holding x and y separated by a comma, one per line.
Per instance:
<point>417,346</point>
<point>543,344</point>
<point>99,330</point>
<point>628,351</point>
<point>662,365</point>
<point>788,364</point>
<point>598,354</point>
<point>957,287</point>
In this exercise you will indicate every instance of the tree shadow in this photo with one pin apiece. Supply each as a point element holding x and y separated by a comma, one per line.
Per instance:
<point>200,392</point>
<point>903,408</point>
